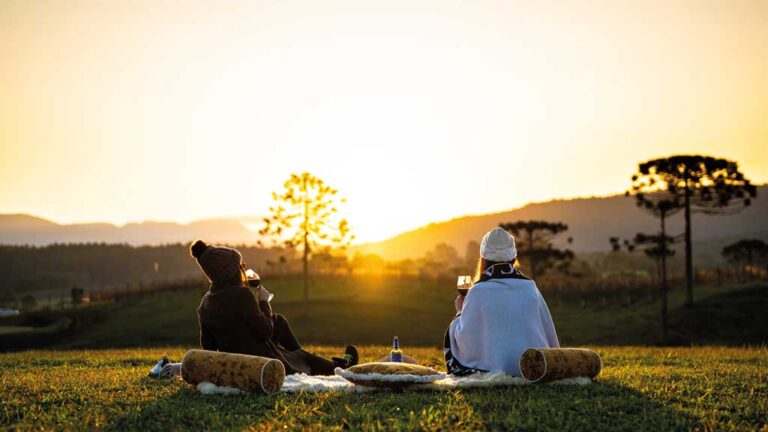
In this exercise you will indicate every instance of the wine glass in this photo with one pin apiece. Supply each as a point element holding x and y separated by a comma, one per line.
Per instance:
<point>463,283</point>
<point>254,281</point>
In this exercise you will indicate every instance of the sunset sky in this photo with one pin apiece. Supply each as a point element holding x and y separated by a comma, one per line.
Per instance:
<point>417,111</point>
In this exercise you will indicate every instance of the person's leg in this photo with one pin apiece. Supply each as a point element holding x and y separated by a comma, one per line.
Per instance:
<point>319,365</point>
<point>283,334</point>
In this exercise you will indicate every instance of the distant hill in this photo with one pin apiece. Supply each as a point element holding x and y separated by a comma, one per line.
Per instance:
<point>591,222</point>
<point>31,230</point>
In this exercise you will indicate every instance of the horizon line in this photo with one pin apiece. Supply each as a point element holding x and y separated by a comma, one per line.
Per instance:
<point>237,217</point>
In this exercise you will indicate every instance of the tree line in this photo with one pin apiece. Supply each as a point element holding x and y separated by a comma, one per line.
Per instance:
<point>687,183</point>
<point>303,234</point>
<point>99,266</point>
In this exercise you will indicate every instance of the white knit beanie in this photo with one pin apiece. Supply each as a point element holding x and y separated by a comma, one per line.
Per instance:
<point>498,246</point>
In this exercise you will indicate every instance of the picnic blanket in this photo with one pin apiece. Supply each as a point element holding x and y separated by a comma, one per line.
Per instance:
<point>333,383</point>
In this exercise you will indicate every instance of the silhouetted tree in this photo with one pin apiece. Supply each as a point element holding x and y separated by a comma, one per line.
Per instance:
<point>747,252</point>
<point>471,254</point>
<point>700,183</point>
<point>329,263</point>
<point>444,256</point>
<point>616,244</point>
<point>656,246</point>
<point>368,263</point>
<point>303,216</point>
<point>662,206</point>
<point>534,244</point>
<point>96,267</point>
<point>407,267</point>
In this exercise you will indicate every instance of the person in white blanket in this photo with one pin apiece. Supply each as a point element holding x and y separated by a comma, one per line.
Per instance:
<point>502,315</point>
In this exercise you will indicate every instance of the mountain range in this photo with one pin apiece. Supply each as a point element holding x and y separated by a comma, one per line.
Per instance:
<point>591,222</point>
<point>31,230</point>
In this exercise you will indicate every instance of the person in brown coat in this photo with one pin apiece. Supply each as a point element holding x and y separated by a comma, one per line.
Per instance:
<point>233,319</point>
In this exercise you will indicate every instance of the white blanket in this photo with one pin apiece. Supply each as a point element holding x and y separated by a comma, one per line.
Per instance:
<point>501,318</point>
<point>303,382</point>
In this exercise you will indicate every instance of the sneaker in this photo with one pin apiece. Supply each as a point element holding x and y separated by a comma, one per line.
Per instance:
<point>155,372</point>
<point>349,359</point>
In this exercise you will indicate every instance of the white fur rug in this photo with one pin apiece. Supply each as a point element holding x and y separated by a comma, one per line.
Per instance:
<point>303,382</point>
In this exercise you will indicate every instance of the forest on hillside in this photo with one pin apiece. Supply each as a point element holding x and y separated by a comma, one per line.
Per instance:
<point>56,269</point>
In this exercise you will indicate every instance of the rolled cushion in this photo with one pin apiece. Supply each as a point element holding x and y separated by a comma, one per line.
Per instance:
<point>244,372</point>
<point>550,364</point>
<point>392,375</point>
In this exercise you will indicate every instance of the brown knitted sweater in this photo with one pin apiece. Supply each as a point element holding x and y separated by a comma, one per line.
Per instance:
<point>232,320</point>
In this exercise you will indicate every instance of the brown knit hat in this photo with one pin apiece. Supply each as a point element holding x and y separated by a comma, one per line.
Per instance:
<point>221,264</point>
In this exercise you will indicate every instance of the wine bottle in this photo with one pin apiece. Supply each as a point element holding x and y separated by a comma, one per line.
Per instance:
<point>396,355</point>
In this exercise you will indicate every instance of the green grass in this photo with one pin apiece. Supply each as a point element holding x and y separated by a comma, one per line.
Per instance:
<point>653,389</point>
<point>17,329</point>
<point>372,313</point>
<point>725,316</point>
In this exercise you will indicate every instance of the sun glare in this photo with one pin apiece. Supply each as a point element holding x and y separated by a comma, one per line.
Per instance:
<point>415,111</point>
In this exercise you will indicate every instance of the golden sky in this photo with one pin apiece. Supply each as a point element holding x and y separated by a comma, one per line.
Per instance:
<point>416,110</point>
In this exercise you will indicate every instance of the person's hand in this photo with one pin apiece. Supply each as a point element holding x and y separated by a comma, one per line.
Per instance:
<point>171,370</point>
<point>263,294</point>
<point>459,303</point>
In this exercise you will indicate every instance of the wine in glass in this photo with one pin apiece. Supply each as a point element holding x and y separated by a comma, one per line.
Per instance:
<point>463,284</point>
<point>254,281</point>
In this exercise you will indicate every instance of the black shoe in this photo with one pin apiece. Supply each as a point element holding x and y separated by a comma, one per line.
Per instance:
<point>349,359</point>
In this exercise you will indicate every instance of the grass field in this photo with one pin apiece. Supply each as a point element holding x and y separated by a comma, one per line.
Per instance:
<point>640,389</point>
<point>373,313</point>
<point>86,387</point>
